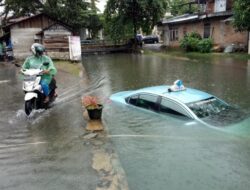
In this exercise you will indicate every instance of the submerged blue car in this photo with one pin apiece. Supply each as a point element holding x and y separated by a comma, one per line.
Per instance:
<point>178,101</point>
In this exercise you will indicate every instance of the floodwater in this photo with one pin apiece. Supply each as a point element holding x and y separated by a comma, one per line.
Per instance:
<point>48,151</point>
<point>161,152</point>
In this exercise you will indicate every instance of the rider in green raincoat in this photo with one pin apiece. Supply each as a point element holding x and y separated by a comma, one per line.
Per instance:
<point>40,61</point>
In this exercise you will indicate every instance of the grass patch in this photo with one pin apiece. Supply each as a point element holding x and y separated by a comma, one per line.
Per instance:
<point>67,66</point>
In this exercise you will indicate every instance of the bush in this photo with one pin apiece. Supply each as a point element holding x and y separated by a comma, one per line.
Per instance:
<point>205,45</point>
<point>195,35</point>
<point>194,42</point>
<point>190,42</point>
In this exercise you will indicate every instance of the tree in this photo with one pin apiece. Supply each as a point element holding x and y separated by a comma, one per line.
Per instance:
<point>123,17</point>
<point>74,13</point>
<point>94,25</point>
<point>77,13</point>
<point>93,5</point>
<point>179,7</point>
<point>19,7</point>
<point>241,9</point>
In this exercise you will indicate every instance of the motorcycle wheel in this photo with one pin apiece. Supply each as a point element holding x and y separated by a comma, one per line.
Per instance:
<point>29,106</point>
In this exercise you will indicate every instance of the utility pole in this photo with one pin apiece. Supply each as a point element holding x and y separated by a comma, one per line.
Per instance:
<point>134,18</point>
<point>249,42</point>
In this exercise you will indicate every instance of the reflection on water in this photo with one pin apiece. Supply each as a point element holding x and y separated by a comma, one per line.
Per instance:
<point>43,151</point>
<point>158,152</point>
<point>124,72</point>
<point>162,152</point>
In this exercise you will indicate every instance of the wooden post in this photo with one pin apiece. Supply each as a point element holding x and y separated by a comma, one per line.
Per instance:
<point>249,42</point>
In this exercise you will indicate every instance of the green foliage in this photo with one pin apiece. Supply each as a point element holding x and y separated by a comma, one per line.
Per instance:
<point>116,30</point>
<point>194,42</point>
<point>19,7</point>
<point>131,15</point>
<point>94,24</point>
<point>74,13</point>
<point>195,35</point>
<point>205,45</point>
<point>77,13</point>
<point>176,7</point>
<point>241,9</point>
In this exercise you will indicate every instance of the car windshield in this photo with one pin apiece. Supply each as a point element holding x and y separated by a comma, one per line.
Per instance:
<point>207,107</point>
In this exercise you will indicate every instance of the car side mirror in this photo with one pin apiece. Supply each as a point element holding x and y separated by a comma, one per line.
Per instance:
<point>46,63</point>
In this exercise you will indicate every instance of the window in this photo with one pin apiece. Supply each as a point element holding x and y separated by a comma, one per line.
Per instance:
<point>148,101</point>
<point>170,107</point>
<point>174,36</point>
<point>184,31</point>
<point>132,100</point>
<point>208,107</point>
<point>207,28</point>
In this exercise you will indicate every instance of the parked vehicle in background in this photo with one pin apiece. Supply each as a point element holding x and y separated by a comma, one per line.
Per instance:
<point>139,39</point>
<point>150,39</point>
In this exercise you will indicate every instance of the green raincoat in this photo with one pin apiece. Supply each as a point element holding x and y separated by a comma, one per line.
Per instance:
<point>36,62</point>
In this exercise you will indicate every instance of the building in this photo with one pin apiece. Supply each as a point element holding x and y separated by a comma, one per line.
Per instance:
<point>214,20</point>
<point>22,32</point>
<point>55,40</point>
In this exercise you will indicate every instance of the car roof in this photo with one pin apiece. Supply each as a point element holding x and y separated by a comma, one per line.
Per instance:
<point>185,96</point>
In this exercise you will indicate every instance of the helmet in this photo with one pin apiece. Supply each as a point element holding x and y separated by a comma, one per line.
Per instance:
<point>37,49</point>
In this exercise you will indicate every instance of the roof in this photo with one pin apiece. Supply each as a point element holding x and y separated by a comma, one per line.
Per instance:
<point>24,18</point>
<point>185,96</point>
<point>195,17</point>
<point>21,19</point>
<point>181,18</point>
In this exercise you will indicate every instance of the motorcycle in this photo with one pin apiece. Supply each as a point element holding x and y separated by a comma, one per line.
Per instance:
<point>34,96</point>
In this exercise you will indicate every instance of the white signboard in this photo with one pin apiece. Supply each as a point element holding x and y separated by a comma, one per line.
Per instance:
<point>220,5</point>
<point>75,52</point>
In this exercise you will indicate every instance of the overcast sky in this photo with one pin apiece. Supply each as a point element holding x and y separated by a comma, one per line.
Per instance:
<point>101,5</point>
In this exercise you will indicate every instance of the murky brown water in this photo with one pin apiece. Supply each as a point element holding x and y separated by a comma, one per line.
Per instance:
<point>160,152</point>
<point>46,151</point>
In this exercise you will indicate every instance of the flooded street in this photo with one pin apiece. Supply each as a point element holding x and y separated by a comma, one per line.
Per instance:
<point>48,151</point>
<point>160,152</point>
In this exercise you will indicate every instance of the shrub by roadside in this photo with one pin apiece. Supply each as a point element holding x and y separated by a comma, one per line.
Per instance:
<point>193,42</point>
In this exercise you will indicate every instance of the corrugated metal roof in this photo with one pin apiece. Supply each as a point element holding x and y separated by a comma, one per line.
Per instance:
<point>192,17</point>
<point>182,18</point>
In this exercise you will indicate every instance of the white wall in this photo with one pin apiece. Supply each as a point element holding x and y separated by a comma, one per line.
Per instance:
<point>22,39</point>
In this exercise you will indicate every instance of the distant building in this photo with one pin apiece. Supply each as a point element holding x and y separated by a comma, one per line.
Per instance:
<point>55,40</point>
<point>214,20</point>
<point>24,31</point>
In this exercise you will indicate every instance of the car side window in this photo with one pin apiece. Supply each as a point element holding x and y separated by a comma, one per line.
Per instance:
<point>132,100</point>
<point>170,107</point>
<point>148,101</point>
